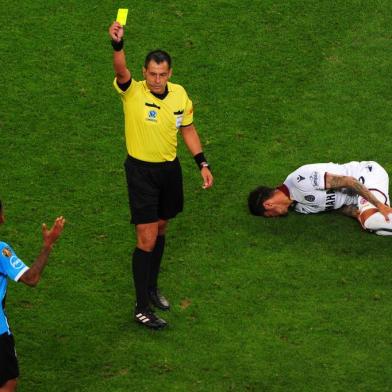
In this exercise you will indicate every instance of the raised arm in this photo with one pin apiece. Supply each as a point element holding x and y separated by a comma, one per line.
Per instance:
<point>334,181</point>
<point>32,276</point>
<point>192,141</point>
<point>116,32</point>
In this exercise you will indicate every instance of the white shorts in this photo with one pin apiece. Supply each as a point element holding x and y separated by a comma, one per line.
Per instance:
<point>376,179</point>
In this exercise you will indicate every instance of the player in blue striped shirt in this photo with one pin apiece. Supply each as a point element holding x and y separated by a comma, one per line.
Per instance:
<point>11,267</point>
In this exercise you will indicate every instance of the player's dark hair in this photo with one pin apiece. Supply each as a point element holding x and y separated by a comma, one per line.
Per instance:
<point>159,56</point>
<point>256,199</point>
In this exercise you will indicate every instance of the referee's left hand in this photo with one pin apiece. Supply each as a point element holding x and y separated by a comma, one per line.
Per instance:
<point>208,179</point>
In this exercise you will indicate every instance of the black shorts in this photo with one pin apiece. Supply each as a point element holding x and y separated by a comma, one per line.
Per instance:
<point>9,368</point>
<point>154,189</point>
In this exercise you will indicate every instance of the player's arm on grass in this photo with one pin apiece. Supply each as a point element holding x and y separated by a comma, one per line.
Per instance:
<point>32,276</point>
<point>192,141</point>
<point>334,181</point>
<point>123,75</point>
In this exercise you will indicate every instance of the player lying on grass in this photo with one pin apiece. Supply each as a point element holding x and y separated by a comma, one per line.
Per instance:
<point>357,189</point>
<point>11,267</point>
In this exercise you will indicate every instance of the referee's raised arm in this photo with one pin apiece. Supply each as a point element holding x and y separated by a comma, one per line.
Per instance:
<point>116,32</point>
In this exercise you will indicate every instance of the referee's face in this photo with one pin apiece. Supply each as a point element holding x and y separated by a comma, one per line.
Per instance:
<point>156,76</point>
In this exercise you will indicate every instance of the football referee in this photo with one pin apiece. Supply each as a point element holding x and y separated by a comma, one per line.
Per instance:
<point>154,111</point>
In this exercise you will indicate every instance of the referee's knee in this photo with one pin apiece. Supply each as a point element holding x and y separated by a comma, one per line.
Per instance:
<point>147,236</point>
<point>146,242</point>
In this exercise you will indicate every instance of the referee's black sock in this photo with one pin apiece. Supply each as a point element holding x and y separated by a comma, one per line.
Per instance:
<point>156,259</point>
<point>141,265</point>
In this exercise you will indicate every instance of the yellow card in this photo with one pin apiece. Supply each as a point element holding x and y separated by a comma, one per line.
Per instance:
<point>122,16</point>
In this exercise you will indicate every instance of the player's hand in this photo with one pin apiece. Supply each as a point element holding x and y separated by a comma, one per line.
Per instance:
<point>208,179</point>
<point>51,236</point>
<point>385,211</point>
<point>116,32</point>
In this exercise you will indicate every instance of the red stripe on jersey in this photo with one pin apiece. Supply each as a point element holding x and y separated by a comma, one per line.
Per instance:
<point>283,188</point>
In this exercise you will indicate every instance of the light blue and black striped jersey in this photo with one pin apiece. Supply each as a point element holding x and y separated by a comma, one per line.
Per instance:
<point>11,267</point>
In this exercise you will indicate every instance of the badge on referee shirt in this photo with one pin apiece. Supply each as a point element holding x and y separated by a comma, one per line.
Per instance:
<point>152,115</point>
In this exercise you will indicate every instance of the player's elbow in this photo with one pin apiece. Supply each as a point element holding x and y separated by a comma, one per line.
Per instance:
<point>30,278</point>
<point>352,182</point>
<point>122,74</point>
<point>31,282</point>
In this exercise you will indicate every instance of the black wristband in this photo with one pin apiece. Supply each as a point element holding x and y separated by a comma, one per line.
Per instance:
<point>201,161</point>
<point>117,46</point>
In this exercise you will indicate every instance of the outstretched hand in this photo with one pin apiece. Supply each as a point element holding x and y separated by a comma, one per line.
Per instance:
<point>208,179</point>
<point>116,31</point>
<point>51,236</point>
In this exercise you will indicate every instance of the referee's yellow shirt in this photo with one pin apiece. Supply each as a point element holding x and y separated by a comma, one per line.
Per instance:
<point>151,124</point>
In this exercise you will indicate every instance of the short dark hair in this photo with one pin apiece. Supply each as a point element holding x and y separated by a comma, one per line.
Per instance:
<point>159,56</point>
<point>256,199</point>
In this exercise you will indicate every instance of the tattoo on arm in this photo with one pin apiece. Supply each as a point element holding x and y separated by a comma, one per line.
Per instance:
<point>337,182</point>
<point>361,190</point>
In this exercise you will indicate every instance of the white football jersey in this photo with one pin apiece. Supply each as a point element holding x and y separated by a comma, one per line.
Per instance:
<point>306,186</point>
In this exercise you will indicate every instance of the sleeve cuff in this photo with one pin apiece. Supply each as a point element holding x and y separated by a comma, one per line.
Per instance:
<point>21,272</point>
<point>118,88</point>
<point>187,125</point>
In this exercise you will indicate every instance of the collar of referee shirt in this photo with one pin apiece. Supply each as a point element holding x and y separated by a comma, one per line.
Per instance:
<point>159,96</point>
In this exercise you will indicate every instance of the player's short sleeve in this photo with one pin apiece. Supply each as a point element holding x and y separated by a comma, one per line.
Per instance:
<point>188,113</point>
<point>10,264</point>
<point>128,91</point>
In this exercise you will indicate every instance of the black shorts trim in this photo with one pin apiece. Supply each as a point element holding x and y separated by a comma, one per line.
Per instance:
<point>154,188</point>
<point>9,368</point>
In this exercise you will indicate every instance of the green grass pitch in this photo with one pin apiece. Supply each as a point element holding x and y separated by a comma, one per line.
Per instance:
<point>294,304</point>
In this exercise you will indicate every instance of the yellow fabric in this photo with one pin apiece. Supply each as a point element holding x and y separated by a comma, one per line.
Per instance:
<point>151,124</point>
